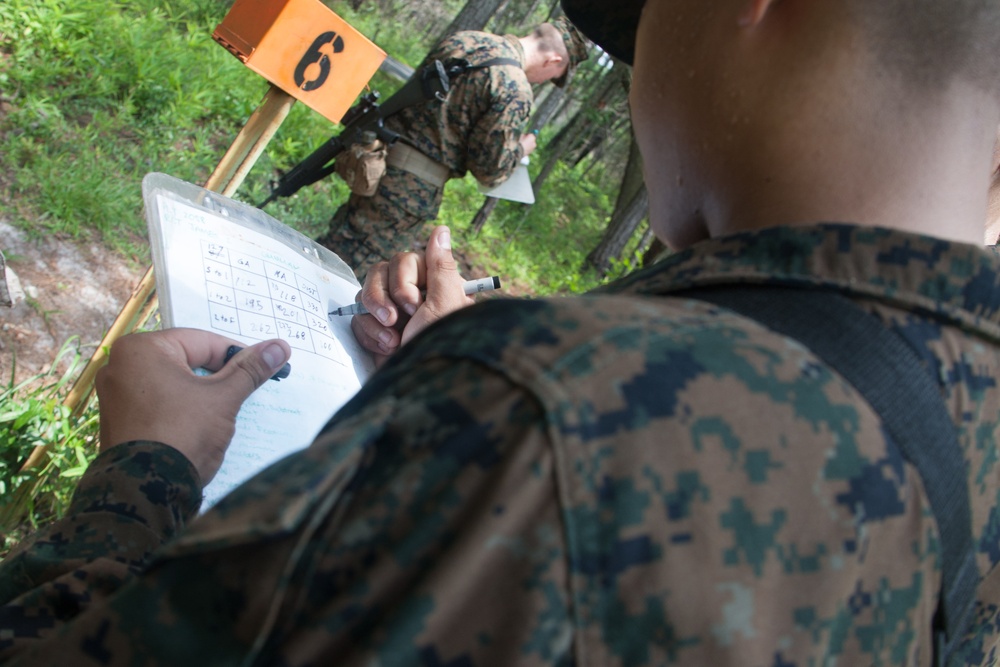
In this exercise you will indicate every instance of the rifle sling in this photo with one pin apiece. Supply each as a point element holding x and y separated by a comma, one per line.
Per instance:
<point>307,173</point>
<point>406,156</point>
<point>457,66</point>
<point>888,373</point>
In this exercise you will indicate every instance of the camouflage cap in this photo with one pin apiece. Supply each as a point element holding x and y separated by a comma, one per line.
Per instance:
<point>576,46</point>
<point>611,24</point>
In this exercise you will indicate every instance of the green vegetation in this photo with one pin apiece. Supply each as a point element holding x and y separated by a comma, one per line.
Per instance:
<point>94,94</point>
<point>32,415</point>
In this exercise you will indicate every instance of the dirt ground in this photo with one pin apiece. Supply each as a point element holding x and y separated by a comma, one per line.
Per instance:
<point>62,291</point>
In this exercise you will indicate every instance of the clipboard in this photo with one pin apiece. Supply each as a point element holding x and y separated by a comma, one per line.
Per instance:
<point>230,268</point>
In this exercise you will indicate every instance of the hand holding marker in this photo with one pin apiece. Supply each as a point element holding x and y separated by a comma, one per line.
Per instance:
<point>471,287</point>
<point>283,372</point>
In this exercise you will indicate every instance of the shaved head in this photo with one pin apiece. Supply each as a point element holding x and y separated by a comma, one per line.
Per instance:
<point>550,40</point>
<point>929,42</point>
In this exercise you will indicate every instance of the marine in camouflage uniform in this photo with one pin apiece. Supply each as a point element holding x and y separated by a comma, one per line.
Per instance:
<point>626,478</point>
<point>630,477</point>
<point>477,129</point>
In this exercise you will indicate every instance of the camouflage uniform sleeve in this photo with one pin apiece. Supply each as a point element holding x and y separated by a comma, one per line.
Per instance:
<point>494,143</point>
<point>132,499</point>
<point>556,483</point>
<point>348,548</point>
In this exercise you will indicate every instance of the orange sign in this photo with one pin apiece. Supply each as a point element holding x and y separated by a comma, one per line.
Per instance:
<point>302,47</point>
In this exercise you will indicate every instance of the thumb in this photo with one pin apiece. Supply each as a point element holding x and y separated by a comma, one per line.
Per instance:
<point>258,363</point>
<point>444,284</point>
<point>445,291</point>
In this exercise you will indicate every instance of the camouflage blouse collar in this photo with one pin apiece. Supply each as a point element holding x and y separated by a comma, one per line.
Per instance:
<point>515,44</point>
<point>957,281</point>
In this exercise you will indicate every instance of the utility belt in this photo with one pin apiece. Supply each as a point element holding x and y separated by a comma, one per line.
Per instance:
<point>409,159</point>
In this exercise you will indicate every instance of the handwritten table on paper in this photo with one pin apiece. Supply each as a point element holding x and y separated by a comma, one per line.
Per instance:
<point>235,281</point>
<point>253,297</point>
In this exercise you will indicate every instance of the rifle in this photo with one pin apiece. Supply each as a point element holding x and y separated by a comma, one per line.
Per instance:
<point>429,82</point>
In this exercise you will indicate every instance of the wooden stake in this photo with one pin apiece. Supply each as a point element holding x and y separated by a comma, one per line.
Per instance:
<point>251,142</point>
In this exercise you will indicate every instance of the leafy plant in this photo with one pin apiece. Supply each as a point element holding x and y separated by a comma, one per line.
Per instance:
<point>32,415</point>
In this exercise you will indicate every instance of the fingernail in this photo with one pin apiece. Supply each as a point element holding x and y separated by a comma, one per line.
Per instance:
<point>409,308</point>
<point>385,337</point>
<point>444,240</point>
<point>383,315</point>
<point>274,356</point>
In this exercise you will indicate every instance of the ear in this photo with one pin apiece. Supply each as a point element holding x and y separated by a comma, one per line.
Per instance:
<point>754,11</point>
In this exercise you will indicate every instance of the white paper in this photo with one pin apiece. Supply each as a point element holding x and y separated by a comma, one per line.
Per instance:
<point>517,187</point>
<point>226,278</point>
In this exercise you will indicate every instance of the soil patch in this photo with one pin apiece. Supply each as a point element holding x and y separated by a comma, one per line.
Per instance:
<point>64,291</point>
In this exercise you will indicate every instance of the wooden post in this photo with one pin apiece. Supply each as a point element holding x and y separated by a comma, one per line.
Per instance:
<point>251,142</point>
<point>227,177</point>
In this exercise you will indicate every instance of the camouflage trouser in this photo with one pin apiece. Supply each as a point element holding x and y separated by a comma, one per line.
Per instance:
<point>367,230</point>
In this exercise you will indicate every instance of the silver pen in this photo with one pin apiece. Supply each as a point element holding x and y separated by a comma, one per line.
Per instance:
<point>471,287</point>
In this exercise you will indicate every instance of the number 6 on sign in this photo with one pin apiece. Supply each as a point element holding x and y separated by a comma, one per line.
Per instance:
<point>304,48</point>
<point>316,58</point>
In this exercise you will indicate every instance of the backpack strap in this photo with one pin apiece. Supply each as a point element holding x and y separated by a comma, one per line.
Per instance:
<point>887,372</point>
<point>456,67</point>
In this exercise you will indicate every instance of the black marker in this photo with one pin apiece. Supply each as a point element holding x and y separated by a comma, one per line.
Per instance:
<point>471,287</point>
<point>283,372</point>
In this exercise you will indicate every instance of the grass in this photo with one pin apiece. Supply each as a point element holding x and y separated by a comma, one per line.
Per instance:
<point>97,94</point>
<point>94,94</point>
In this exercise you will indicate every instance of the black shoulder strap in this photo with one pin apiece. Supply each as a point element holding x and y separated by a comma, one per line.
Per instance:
<point>456,67</point>
<point>882,366</point>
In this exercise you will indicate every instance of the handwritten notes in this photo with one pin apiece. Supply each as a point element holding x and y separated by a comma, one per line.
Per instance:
<point>221,276</point>
<point>262,298</point>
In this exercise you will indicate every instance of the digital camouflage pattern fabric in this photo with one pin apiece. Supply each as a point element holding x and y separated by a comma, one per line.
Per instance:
<point>367,230</point>
<point>623,478</point>
<point>477,129</point>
